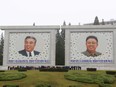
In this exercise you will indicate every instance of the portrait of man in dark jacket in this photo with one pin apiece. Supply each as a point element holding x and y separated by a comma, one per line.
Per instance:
<point>29,45</point>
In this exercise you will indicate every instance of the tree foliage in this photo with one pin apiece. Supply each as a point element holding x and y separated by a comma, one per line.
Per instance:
<point>1,49</point>
<point>96,21</point>
<point>60,54</point>
<point>103,23</point>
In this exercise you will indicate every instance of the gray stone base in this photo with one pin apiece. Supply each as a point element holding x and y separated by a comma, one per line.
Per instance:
<point>100,68</point>
<point>3,68</point>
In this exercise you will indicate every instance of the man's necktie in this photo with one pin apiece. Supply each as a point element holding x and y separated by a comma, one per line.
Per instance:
<point>30,54</point>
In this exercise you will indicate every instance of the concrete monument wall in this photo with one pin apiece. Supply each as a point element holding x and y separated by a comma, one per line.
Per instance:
<point>76,53</point>
<point>15,45</point>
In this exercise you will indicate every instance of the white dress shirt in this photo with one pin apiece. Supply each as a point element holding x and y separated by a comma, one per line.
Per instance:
<point>32,54</point>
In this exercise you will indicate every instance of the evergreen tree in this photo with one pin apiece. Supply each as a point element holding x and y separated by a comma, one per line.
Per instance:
<point>103,23</point>
<point>34,24</point>
<point>69,24</point>
<point>59,49</point>
<point>96,21</point>
<point>60,46</point>
<point>64,23</point>
<point>1,49</point>
<point>63,32</point>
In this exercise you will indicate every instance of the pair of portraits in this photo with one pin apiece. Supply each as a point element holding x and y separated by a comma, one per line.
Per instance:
<point>91,46</point>
<point>83,45</point>
<point>30,43</point>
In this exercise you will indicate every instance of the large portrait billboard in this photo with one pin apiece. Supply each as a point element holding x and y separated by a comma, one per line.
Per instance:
<point>29,45</point>
<point>91,47</point>
<point>29,48</point>
<point>22,44</point>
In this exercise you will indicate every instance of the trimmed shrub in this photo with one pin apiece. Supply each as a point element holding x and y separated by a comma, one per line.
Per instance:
<point>54,70</point>
<point>91,69</point>
<point>108,79</point>
<point>22,70</point>
<point>93,78</point>
<point>43,85</point>
<point>11,76</point>
<point>2,70</point>
<point>75,86</point>
<point>10,85</point>
<point>104,85</point>
<point>111,72</point>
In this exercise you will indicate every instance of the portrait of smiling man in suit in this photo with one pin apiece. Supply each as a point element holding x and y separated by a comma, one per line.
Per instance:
<point>29,45</point>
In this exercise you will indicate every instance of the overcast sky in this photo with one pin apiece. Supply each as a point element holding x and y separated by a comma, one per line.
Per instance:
<point>54,12</point>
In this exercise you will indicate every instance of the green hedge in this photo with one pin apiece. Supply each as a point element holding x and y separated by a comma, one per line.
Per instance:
<point>111,72</point>
<point>2,70</point>
<point>10,85</point>
<point>92,78</point>
<point>91,69</point>
<point>43,84</point>
<point>75,86</point>
<point>104,85</point>
<point>22,70</point>
<point>54,70</point>
<point>5,76</point>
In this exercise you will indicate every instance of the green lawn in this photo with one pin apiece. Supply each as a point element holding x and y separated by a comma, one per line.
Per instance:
<point>55,78</point>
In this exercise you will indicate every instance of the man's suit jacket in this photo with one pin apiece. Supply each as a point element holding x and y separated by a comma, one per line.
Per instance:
<point>86,53</point>
<point>24,53</point>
